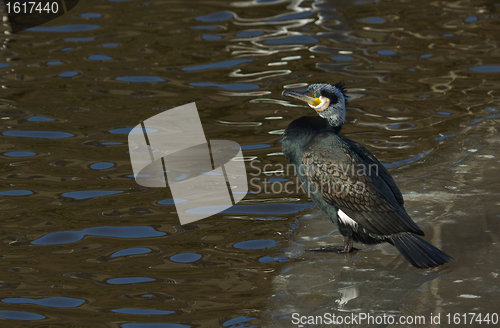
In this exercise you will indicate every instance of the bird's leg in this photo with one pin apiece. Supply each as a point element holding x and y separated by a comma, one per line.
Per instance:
<point>348,245</point>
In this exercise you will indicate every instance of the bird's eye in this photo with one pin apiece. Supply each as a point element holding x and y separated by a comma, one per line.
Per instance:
<point>317,95</point>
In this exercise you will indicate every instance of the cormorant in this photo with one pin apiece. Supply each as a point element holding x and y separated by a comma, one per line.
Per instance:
<point>347,183</point>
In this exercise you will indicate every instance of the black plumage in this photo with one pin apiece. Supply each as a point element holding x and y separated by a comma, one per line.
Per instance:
<point>348,183</point>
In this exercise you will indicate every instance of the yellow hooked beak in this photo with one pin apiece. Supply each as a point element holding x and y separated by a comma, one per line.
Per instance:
<point>313,101</point>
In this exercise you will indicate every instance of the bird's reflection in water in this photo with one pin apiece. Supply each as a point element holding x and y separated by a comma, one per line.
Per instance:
<point>326,284</point>
<point>323,289</point>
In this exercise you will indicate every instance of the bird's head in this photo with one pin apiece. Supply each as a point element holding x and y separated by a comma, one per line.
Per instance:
<point>328,101</point>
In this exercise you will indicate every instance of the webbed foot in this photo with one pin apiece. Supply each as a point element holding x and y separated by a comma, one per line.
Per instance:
<point>348,247</point>
<point>332,250</point>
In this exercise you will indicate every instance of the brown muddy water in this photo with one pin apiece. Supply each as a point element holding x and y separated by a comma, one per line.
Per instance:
<point>83,245</point>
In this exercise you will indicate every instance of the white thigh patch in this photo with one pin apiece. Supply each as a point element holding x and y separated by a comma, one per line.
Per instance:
<point>346,219</point>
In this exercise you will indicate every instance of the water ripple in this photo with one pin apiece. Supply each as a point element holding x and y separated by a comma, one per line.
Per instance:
<point>128,280</point>
<point>19,154</point>
<point>290,16</point>
<point>58,302</point>
<point>227,86</point>
<point>102,165</point>
<point>38,134</point>
<point>185,257</point>
<point>142,311</point>
<point>86,194</point>
<point>271,209</point>
<point>91,15</point>
<point>68,74</point>
<point>239,322</point>
<point>223,64</point>
<point>256,244</point>
<point>293,40</point>
<point>98,57</point>
<point>79,39</point>
<point>38,118</point>
<point>65,237</point>
<point>486,69</point>
<point>65,28</point>
<point>20,315</point>
<point>17,192</point>
<point>216,17</point>
<point>140,79</point>
<point>154,325</point>
<point>131,251</point>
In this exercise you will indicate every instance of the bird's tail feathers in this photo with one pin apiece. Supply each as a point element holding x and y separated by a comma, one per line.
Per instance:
<point>418,252</point>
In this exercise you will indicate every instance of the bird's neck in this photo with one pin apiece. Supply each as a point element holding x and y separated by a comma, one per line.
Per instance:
<point>334,123</point>
<point>335,115</point>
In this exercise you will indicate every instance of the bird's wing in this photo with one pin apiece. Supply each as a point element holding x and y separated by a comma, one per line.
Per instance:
<point>382,171</point>
<point>346,175</point>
